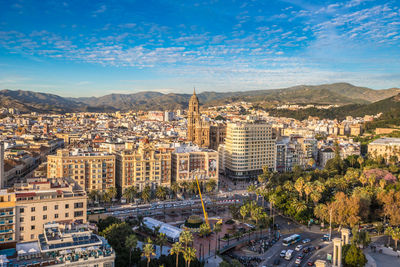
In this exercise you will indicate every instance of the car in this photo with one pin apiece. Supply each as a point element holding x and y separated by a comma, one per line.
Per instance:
<point>277,261</point>
<point>306,250</point>
<point>310,263</point>
<point>307,240</point>
<point>318,247</point>
<point>283,253</point>
<point>300,256</point>
<point>325,238</point>
<point>298,261</point>
<point>312,248</point>
<point>298,247</point>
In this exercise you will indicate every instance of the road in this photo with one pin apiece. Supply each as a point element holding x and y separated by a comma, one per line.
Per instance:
<point>274,252</point>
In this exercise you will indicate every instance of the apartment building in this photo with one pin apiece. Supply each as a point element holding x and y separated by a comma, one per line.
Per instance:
<point>91,170</point>
<point>189,160</point>
<point>7,219</point>
<point>249,147</point>
<point>64,244</point>
<point>385,147</point>
<point>43,200</point>
<point>143,166</point>
<point>2,174</point>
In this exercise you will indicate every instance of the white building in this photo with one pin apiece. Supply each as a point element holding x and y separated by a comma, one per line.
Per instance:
<point>249,147</point>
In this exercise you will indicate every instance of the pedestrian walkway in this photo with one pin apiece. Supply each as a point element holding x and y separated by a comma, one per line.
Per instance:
<point>213,262</point>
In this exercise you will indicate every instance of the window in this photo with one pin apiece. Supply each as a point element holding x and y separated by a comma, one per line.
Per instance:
<point>78,205</point>
<point>21,219</point>
<point>55,216</point>
<point>21,228</point>
<point>32,236</point>
<point>32,209</point>
<point>21,237</point>
<point>32,227</point>
<point>32,218</point>
<point>78,213</point>
<point>56,207</point>
<point>66,215</point>
<point>21,210</point>
<point>67,206</point>
<point>44,208</point>
<point>44,217</point>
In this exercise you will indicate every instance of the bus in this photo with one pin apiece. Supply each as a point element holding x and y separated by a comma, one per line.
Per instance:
<point>291,240</point>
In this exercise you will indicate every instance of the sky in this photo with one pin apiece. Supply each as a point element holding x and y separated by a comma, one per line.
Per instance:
<point>93,48</point>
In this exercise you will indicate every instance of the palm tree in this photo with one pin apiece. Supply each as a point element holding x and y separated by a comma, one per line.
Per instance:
<point>299,206</point>
<point>146,193</point>
<point>251,188</point>
<point>217,229</point>
<point>308,188</point>
<point>299,186</point>
<point>211,185</point>
<point>130,193</point>
<point>110,194</point>
<point>189,254</point>
<point>175,187</point>
<point>131,242</point>
<point>176,249</point>
<point>244,210</point>
<point>186,238</point>
<point>94,196</point>
<point>161,241</point>
<point>161,193</point>
<point>148,252</point>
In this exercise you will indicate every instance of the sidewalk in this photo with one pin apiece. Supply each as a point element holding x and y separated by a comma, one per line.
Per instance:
<point>213,262</point>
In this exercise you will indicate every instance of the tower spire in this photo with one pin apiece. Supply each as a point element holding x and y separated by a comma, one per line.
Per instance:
<point>194,90</point>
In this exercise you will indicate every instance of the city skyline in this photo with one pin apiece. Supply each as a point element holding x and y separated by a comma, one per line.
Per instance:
<point>84,48</point>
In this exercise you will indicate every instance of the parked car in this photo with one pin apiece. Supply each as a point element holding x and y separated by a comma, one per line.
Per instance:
<point>283,253</point>
<point>307,240</point>
<point>298,247</point>
<point>310,263</point>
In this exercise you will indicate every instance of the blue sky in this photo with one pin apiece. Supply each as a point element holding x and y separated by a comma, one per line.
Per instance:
<point>84,48</point>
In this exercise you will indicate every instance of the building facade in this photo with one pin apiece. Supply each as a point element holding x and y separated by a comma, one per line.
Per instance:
<point>188,161</point>
<point>249,147</point>
<point>385,147</point>
<point>91,170</point>
<point>43,200</point>
<point>144,166</point>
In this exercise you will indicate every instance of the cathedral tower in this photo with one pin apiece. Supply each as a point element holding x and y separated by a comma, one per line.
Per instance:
<point>193,117</point>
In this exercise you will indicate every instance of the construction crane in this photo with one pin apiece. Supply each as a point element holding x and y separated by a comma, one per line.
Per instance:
<point>202,203</point>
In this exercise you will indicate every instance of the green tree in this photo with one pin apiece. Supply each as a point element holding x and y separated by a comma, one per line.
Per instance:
<point>189,255</point>
<point>130,193</point>
<point>161,240</point>
<point>104,223</point>
<point>244,210</point>
<point>146,194</point>
<point>211,185</point>
<point>148,252</point>
<point>131,242</point>
<point>186,238</point>
<point>161,193</point>
<point>204,230</point>
<point>116,235</point>
<point>354,257</point>
<point>176,249</point>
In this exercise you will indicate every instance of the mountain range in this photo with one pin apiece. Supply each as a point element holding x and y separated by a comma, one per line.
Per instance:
<point>337,93</point>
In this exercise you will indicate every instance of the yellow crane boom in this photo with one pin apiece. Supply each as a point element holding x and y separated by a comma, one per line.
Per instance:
<point>202,203</point>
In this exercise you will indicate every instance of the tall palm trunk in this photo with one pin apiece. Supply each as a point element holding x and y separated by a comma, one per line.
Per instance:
<point>177,259</point>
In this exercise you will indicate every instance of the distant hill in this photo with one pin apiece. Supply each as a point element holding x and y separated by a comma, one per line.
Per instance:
<point>387,106</point>
<point>337,93</point>
<point>28,101</point>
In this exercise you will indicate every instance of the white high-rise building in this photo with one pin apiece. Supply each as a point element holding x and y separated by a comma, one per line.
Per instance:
<point>249,147</point>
